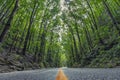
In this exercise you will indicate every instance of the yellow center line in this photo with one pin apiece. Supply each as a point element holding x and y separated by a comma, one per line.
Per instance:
<point>61,75</point>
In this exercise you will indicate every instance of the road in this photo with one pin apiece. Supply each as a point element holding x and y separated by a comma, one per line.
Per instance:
<point>72,73</point>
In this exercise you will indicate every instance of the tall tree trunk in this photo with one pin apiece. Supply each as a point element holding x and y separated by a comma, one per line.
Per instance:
<point>111,16</point>
<point>81,50</point>
<point>29,28</point>
<point>6,13</point>
<point>94,22</point>
<point>7,25</point>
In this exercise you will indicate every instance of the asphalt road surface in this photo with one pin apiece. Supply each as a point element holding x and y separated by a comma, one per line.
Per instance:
<point>71,73</point>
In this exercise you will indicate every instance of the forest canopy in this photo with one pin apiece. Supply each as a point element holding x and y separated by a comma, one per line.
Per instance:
<point>73,33</point>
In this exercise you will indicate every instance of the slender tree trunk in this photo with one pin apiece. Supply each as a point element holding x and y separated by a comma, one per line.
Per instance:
<point>77,31</point>
<point>111,16</point>
<point>75,44</point>
<point>2,8</point>
<point>13,42</point>
<point>8,24</point>
<point>118,4</point>
<point>29,28</point>
<point>94,22</point>
<point>6,12</point>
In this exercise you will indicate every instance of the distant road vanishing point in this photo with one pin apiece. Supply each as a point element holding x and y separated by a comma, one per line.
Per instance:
<point>64,74</point>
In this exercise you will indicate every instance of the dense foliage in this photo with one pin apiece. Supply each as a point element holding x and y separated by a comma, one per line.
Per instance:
<point>74,33</point>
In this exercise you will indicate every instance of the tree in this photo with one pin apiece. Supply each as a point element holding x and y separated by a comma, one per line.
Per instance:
<point>8,23</point>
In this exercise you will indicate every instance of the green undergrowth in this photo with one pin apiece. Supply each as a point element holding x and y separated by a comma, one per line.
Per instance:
<point>107,56</point>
